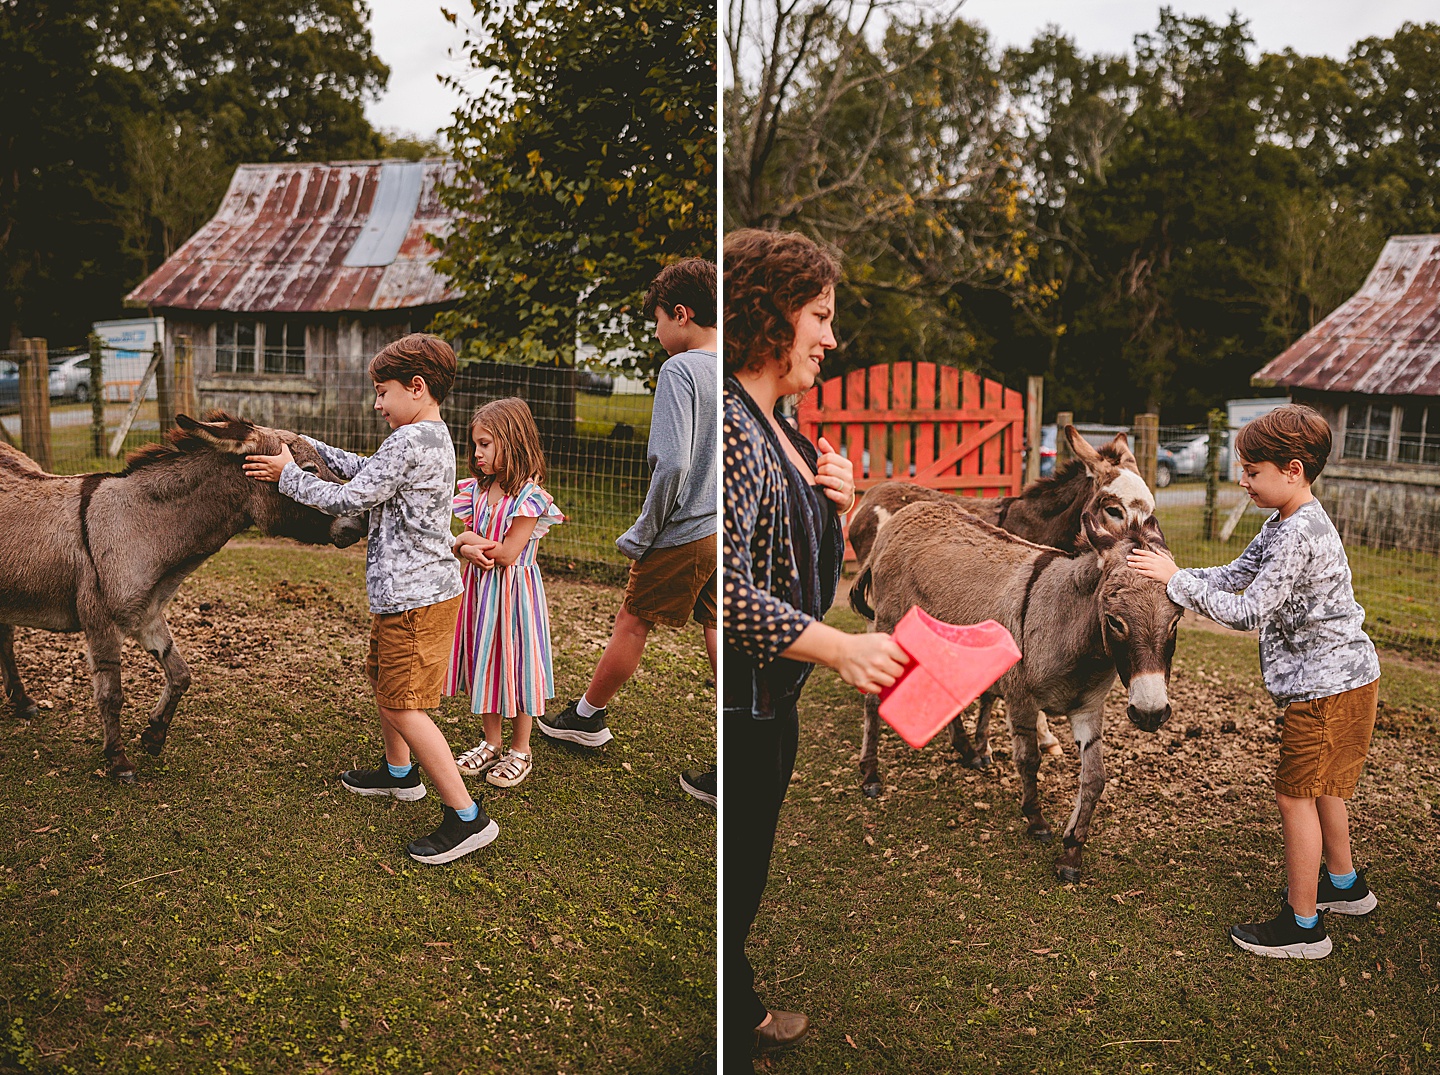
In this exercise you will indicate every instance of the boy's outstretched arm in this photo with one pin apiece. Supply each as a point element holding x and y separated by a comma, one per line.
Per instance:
<point>1272,584</point>
<point>346,464</point>
<point>377,482</point>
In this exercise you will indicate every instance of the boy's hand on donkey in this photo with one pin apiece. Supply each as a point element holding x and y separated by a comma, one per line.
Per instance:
<point>1152,564</point>
<point>836,474</point>
<point>267,468</point>
<point>871,662</point>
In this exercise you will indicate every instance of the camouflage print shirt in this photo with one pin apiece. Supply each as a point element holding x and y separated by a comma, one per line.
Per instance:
<point>1297,591</point>
<point>406,487</point>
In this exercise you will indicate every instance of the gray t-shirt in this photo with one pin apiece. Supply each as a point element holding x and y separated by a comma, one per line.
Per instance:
<point>684,441</point>
<point>406,487</point>
<point>1297,590</point>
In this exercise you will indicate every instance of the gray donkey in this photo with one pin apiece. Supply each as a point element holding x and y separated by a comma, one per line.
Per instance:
<point>1079,621</point>
<point>1105,482</point>
<point>104,553</point>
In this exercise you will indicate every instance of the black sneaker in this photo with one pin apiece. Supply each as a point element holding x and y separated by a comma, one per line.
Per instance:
<point>378,781</point>
<point>569,725</point>
<point>1282,937</point>
<point>701,784</point>
<point>454,837</point>
<point>1355,900</point>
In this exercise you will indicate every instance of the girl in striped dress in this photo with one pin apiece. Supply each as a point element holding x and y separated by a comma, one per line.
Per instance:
<point>501,656</point>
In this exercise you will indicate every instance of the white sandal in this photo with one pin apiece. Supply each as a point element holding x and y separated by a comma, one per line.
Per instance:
<point>480,760</point>
<point>511,769</point>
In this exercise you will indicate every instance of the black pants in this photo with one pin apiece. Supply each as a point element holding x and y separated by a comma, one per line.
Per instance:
<point>760,756</point>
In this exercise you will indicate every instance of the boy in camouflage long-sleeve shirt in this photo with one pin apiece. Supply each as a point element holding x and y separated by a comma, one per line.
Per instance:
<point>412,577</point>
<point>1293,583</point>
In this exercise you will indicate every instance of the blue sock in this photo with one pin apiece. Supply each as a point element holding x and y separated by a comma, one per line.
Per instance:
<point>397,771</point>
<point>470,813</point>
<point>1307,923</point>
<point>1342,880</point>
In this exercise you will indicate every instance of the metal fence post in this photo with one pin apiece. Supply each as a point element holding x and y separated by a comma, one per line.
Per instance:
<point>97,398</point>
<point>1034,409</point>
<point>1218,425</point>
<point>35,400</point>
<point>1062,442</point>
<point>1147,445</point>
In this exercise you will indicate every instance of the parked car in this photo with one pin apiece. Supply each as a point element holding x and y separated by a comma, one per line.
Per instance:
<point>1190,454</point>
<point>70,379</point>
<point>598,384</point>
<point>9,385</point>
<point>1099,436</point>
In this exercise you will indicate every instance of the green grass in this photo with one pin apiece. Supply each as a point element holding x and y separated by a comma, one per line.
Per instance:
<point>1400,590</point>
<point>237,911</point>
<point>922,932</point>
<point>596,416</point>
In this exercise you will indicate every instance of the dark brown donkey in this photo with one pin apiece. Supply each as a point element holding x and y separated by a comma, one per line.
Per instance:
<point>1079,621</point>
<point>104,553</point>
<point>1105,482</point>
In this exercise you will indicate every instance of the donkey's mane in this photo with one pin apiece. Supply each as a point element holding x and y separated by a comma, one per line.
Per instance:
<point>180,442</point>
<point>991,530</point>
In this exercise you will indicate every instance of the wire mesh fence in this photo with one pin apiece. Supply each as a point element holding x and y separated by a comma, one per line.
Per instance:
<point>594,428</point>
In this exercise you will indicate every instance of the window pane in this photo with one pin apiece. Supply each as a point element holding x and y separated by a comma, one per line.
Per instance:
<point>224,346</point>
<point>294,347</point>
<point>244,347</point>
<point>1378,442</point>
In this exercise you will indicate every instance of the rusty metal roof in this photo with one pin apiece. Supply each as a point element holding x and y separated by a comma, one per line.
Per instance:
<point>313,238</point>
<point>1384,340</point>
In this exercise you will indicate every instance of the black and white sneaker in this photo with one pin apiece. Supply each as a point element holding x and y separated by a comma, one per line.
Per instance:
<point>701,784</point>
<point>378,781</point>
<point>454,838</point>
<point>570,726</point>
<point>1355,900</point>
<point>1282,937</point>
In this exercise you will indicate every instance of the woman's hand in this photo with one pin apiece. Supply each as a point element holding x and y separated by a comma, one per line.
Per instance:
<point>837,475</point>
<point>267,468</point>
<point>871,662</point>
<point>1152,564</point>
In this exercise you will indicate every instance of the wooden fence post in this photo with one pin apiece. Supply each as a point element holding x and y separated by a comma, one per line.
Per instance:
<point>1147,445</point>
<point>162,390</point>
<point>1218,424</point>
<point>97,397</point>
<point>184,397</point>
<point>35,400</point>
<point>1062,442</point>
<point>1034,409</point>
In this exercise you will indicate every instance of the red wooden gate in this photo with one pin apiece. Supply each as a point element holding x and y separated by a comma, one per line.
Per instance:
<point>915,421</point>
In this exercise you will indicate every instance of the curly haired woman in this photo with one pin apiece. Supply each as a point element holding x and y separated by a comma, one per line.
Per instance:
<point>783,548</point>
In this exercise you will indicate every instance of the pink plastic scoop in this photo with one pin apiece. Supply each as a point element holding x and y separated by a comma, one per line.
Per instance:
<point>950,666</point>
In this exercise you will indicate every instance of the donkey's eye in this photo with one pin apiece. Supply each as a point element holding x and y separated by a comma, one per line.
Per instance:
<point>1116,624</point>
<point>1114,512</point>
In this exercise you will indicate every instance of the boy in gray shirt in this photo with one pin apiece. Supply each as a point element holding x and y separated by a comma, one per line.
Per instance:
<point>672,544</point>
<point>412,578</point>
<point>1316,660</point>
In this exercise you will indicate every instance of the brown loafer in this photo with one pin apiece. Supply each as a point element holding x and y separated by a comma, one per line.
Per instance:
<point>784,1030</point>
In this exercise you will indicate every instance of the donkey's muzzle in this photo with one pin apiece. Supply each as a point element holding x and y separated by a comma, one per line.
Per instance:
<point>347,530</point>
<point>1148,720</point>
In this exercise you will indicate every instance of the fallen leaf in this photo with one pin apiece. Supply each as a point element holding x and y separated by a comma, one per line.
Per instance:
<point>851,1041</point>
<point>1039,951</point>
<point>387,869</point>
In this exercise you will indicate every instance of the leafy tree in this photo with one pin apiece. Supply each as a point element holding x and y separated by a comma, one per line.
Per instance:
<point>586,167</point>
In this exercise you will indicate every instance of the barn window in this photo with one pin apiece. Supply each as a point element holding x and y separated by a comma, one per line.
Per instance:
<point>285,347</point>
<point>1419,435</point>
<point>1367,432</point>
<point>235,347</point>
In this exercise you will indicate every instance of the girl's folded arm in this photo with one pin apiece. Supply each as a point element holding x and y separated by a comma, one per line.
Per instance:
<point>516,537</point>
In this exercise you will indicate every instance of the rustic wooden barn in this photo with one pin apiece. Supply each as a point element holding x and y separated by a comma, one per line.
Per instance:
<point>1372,367</point>
<point>304,272</point>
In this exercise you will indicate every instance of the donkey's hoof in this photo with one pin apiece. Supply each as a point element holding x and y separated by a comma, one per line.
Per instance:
<point>979,761</point>
<point>27,711</point>
<point>1054,749</point>
<point>1041,833</point>
<point>126,776</point>
<point>153,742</point>
<point>872,790</point>
<point>1068,874</point>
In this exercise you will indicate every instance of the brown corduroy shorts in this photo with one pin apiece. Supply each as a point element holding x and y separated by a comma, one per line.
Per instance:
<point>670,585</point>
<point>410,654</point>
<point>1324,743</point>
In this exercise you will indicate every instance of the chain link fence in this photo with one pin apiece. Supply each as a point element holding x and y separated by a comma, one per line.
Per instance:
<point>594,426</point>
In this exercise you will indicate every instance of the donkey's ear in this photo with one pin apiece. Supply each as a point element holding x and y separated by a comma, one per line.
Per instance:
<point>1083,450</point>
<point>1152,534</point>
<point>185,422</point>
<point>1100,539</point>
<point>231,435</point>
<point>1121,444</point>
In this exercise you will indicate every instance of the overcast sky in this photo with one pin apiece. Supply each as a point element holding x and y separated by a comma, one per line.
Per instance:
<point>416,40</point>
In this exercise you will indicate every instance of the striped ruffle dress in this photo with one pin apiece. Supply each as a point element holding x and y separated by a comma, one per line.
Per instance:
<point>501,656</point>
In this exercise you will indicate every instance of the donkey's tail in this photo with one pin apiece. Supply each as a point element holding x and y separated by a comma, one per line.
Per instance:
<point>860,592</point>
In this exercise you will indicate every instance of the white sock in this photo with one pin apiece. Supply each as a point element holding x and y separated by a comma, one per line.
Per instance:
<point>586,710</point>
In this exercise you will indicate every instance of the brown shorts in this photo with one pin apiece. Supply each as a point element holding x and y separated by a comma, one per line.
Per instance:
<point>1324,742</point>
<point>410,654</point>
<point>670,585</point>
